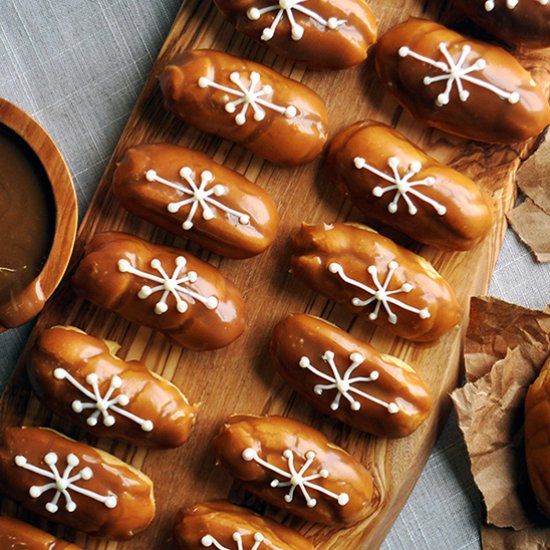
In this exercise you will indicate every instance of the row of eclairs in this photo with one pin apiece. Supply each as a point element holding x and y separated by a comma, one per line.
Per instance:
<point>448,81</point>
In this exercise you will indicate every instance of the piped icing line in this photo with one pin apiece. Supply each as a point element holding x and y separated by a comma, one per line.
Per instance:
<point>198,196</point>
<point>403,185</point>
<point>63,483</point>
<point>511,4</point>
<point>381,295</point>
<point>344,384</point>
<point>455,72</point>
<point>297,478</point>
<point>103,404</point>
<point>208,541</point>
<point>175,285</point>
<point>285,7</point>
<point>251,97</point>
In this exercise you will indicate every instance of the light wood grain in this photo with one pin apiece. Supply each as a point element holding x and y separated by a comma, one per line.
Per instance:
<point>240,379</point>
<point>66,215</point>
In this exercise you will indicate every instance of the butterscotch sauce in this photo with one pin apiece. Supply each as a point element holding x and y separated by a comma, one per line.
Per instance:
<point>27,215</point>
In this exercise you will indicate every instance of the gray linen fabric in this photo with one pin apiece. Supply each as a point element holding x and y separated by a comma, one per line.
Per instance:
<point>77,66</point>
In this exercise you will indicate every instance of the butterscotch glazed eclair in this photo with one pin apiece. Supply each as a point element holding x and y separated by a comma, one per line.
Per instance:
<point>17,535</point>
<point>74,484</point>
<point>80,378</point>
<point>395,183</point>
<point>374,277</point>
<point>517,22</point>
<point>191,196</point>
<point>220,524</point>
<point>164,288</point>
<point>326,34</point>
<point>296,468</point>
<point>274,117</point>
<point>348,379</point>
<point>462,86</point>
<point>537,437</point>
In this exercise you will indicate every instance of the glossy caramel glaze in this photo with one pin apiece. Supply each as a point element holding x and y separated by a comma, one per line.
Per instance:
<point>280,138</point>
<point>484,115</point>
<point>224,522</point>
<point>456,215</point>
<point>136,184</point>
<point>537,437</point>
<point>110,477</point>
<point>270,438</point>
<point>161,415</point>
<point>17,535</point>
<point>100,280</point>
<point>527,23</point>
<point>338,37</point>
<point>319,248</point>
<point>393,401</point>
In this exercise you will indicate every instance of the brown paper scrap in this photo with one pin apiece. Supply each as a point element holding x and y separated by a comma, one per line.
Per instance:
<point>532,225</point>
<point>505,348</point>
<point>497,326</point>
<point>533,177</point>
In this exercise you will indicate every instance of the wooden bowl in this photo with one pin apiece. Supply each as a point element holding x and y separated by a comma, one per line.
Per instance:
<point>28,302</point>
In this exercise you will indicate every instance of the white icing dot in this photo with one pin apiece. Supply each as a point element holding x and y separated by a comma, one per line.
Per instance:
<point>248,454</point>
<point>150,175</point>
<point>393,408</point>
<point>343,499</point>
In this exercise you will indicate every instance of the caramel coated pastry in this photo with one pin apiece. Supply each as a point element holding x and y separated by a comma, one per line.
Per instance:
<point>460,85</point>
<point>296,468</point>
<point>276,118</point>
<point>80,378</point>
<point>327,34</point>
<point>74,484</point>
<point>395,183</point>
<point>537,437</point>
<point>190,195</point>
<point>221,524</point>
<point>169,290</point>
<point>17,535</point>
<point>389,285</point>
<point>348,379</point>
<point>517,22</point>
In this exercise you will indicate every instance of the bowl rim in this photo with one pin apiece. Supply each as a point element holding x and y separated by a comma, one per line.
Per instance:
<point>66,216</point>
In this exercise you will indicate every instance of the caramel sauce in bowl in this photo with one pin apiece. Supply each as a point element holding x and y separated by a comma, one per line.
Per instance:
<point>38,216</point>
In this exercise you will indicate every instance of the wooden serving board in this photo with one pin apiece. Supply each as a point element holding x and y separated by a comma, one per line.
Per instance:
<point>240,379</point>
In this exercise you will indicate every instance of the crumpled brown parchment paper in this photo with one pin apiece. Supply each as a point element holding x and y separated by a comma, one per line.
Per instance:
<point>505,348</point>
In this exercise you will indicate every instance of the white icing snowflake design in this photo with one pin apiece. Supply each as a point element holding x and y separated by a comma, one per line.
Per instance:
<point>198,196</point>
<point>511,4</point>
<point>403,185</point>
<point>208,541</point>
<point>285,7</point>
<point>380,294</point>
<point>63,483</point>
<point>344,385</point>
<point>251,97</point>
<point>297,478</point>
<point>455,72</point>
<point>176,285</point>
<point>102,405</point>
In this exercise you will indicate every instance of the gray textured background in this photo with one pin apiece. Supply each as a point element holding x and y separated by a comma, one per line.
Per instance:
<point>77,66</point>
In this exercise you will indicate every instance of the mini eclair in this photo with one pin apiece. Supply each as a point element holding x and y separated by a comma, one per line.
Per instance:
<point>462,86</point>
<point>191,196</point>
<point>517,22</point>
<point>17,535</point>
<point>80,378</point>
<point>323,34</point>
<point>274,117</point>
<point>395,183</point>
<point>374,277</point>
<point>296,468</point>
<point>221,524</point>
<point>74,484</point>
<point>348,379</point>
<point>169,290</point>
